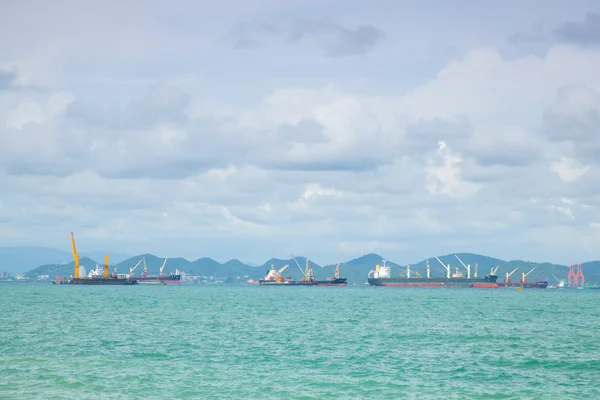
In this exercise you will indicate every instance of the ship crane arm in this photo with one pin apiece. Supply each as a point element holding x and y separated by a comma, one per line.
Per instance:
<point>75,257</point>
<point>133,269</point>
<point>447,267</point>
<point>508,274</point>
<point>468,268</point>
<point>296,261</point>
<point>163,267</point>
<point>282,269</point>
<point>526,274</point>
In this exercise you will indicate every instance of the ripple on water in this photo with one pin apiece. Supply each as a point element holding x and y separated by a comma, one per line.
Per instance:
<point>259,343</point>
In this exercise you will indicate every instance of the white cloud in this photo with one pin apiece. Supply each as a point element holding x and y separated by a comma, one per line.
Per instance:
<point>568,169</point>
<point>444,171</point>
<point>298,150</point>
<point>314,191</point>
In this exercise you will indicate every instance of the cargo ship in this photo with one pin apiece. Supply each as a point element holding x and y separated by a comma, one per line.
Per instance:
<point>160,279</point>
<point>507,283</point>
<point>94,277</point>
<point>335,280</point>
<point>274,277</point>
<point>381,277</point>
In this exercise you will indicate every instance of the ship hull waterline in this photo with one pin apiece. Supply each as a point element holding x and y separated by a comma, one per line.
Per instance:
<point>158,279</point>
<point>524,285</point>
<point>98,282</point>
<point>489,282</point>
<point>332,282</point>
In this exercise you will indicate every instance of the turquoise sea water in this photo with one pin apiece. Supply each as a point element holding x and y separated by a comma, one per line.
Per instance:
<point>252,342</point>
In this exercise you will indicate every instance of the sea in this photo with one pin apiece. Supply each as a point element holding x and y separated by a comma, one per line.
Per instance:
<point>255,342</point>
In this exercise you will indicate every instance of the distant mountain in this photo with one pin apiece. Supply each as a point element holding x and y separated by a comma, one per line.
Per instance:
<point>64,270</point>
<point>16,260</point>
<point>591,271</point>
<point>356,270</point>
<point>99,256</point>
<point>20,259</point>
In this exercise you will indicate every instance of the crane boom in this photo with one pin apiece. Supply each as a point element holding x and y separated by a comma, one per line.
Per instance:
<point>136,265</point>
<point>162,267</point>
<point>524,275</point>
<point>75,257</point>
<point>508,274</point>
<point>301,270</point>
<point>446,267</point>
<point>468,268</point>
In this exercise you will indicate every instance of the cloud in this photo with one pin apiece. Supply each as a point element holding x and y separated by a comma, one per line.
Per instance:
<point>445,174</point>
<point>243,154</point>
<point>568,169</point>
<point>334,39</point>
<point>7,79</point>
<point>585,33</point>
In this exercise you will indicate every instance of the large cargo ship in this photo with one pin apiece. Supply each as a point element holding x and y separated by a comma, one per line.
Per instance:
<point>95,277</point>
<point>523,283</point>
<point>381,276</point>
<point>160,279</point>
<point>274,277</point>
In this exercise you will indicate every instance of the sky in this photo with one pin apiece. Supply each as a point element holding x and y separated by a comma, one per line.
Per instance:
<point>253,129</point>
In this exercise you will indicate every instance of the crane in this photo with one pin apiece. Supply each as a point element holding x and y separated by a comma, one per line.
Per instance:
<point>278,277</point>
<point>446,267</point>
<point>136,265</point>
<point>296,261</point>
<point>468,267</point>
<point>427,267</point>
<point>493,270</point>
<point>524,275</point>
<point>75,257</point>
<point>507,279</point>
<point>336,272</point>
<point>162,267</point>
<point>106,266</point>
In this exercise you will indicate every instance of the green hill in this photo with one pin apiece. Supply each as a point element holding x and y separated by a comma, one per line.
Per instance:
<point>64,270</point>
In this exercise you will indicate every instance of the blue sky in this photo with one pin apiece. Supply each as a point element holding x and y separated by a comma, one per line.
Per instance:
<point>252,129</point>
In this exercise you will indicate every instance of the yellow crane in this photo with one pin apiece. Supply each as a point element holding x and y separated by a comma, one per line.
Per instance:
<point>524,275</point>
<point>278,277</point>
<point>75,257</point>
<point>507,279</point>
<point>106,266</point>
